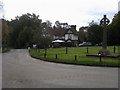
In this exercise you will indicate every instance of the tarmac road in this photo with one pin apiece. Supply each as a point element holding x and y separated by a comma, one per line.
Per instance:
<point>22,71</point>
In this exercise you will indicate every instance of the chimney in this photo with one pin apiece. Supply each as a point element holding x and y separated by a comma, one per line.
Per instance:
<point>73,27</point>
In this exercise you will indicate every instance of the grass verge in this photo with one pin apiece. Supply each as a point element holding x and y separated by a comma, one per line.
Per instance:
<point>76,55</point>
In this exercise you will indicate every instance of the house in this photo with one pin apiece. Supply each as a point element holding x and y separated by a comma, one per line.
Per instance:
<point>69,35</point>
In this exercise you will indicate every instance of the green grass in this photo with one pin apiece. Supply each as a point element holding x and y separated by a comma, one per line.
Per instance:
<point>80,52</point>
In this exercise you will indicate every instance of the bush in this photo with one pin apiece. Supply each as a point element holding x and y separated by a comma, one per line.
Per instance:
<point>56,45</point>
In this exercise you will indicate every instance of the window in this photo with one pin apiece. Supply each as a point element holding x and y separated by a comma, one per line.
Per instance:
<point>69,36</point>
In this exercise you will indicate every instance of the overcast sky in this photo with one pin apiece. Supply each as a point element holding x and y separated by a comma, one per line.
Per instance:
<point>76,12</point>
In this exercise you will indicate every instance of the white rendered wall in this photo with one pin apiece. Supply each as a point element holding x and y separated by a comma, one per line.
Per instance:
<point>73,37</point>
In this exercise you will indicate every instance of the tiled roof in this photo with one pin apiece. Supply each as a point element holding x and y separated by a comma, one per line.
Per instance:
<point>60,31</point>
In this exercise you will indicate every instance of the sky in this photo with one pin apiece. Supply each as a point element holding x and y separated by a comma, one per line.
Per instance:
<point>74,12</point>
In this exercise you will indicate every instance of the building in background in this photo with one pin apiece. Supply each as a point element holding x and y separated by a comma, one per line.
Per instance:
<point>67,34</point>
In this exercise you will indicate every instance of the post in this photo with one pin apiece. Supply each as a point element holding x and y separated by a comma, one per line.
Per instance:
<point>114,49</point>
<point>75,57</point>
<point>28,48</point>
<point>44,55</point>
<point>45,51</point>
<point>100,59</point>
<point>56,56</point>
<point>38,50</point>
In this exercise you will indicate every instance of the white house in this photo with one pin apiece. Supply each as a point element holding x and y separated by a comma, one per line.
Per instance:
<point>68,35</point>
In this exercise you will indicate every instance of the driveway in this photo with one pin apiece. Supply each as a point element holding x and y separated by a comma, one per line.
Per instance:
<point>22,71</point>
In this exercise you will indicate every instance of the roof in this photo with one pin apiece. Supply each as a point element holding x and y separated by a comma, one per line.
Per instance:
<point>73,30</point>
<point>57,32</point>
<point>60,31</point>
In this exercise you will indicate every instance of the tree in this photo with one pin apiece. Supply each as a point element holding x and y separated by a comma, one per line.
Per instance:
<point>95,33</point>
<point>42,38</point>
<point>21,25</point>
<point>114,30</point>
<point>5,34</point>
<point>25,37</point>
<point>14,28</point>
<point>82,34</point>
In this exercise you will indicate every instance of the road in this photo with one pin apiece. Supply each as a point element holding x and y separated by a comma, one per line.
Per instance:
<point>22,71</point>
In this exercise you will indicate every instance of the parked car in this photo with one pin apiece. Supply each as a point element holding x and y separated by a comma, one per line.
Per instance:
<point>85,44</point>
<point>99,44</point>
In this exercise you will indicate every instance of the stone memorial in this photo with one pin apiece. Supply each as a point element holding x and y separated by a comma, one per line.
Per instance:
<point>104,23</point>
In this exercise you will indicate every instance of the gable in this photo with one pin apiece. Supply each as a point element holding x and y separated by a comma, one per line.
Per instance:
<point>69,32</point>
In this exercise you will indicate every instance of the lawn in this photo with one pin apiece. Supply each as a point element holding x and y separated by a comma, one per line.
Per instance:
<point>79,52</point>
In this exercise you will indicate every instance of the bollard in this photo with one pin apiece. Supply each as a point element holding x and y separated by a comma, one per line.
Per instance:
<point>38,51</point>
<point>44,55</point>
<point>114,49</point>
<point>28,48</point>
<point>56,56</point>
<point>100,59</point>
<point>45,51</point>
<point>75,57</point>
